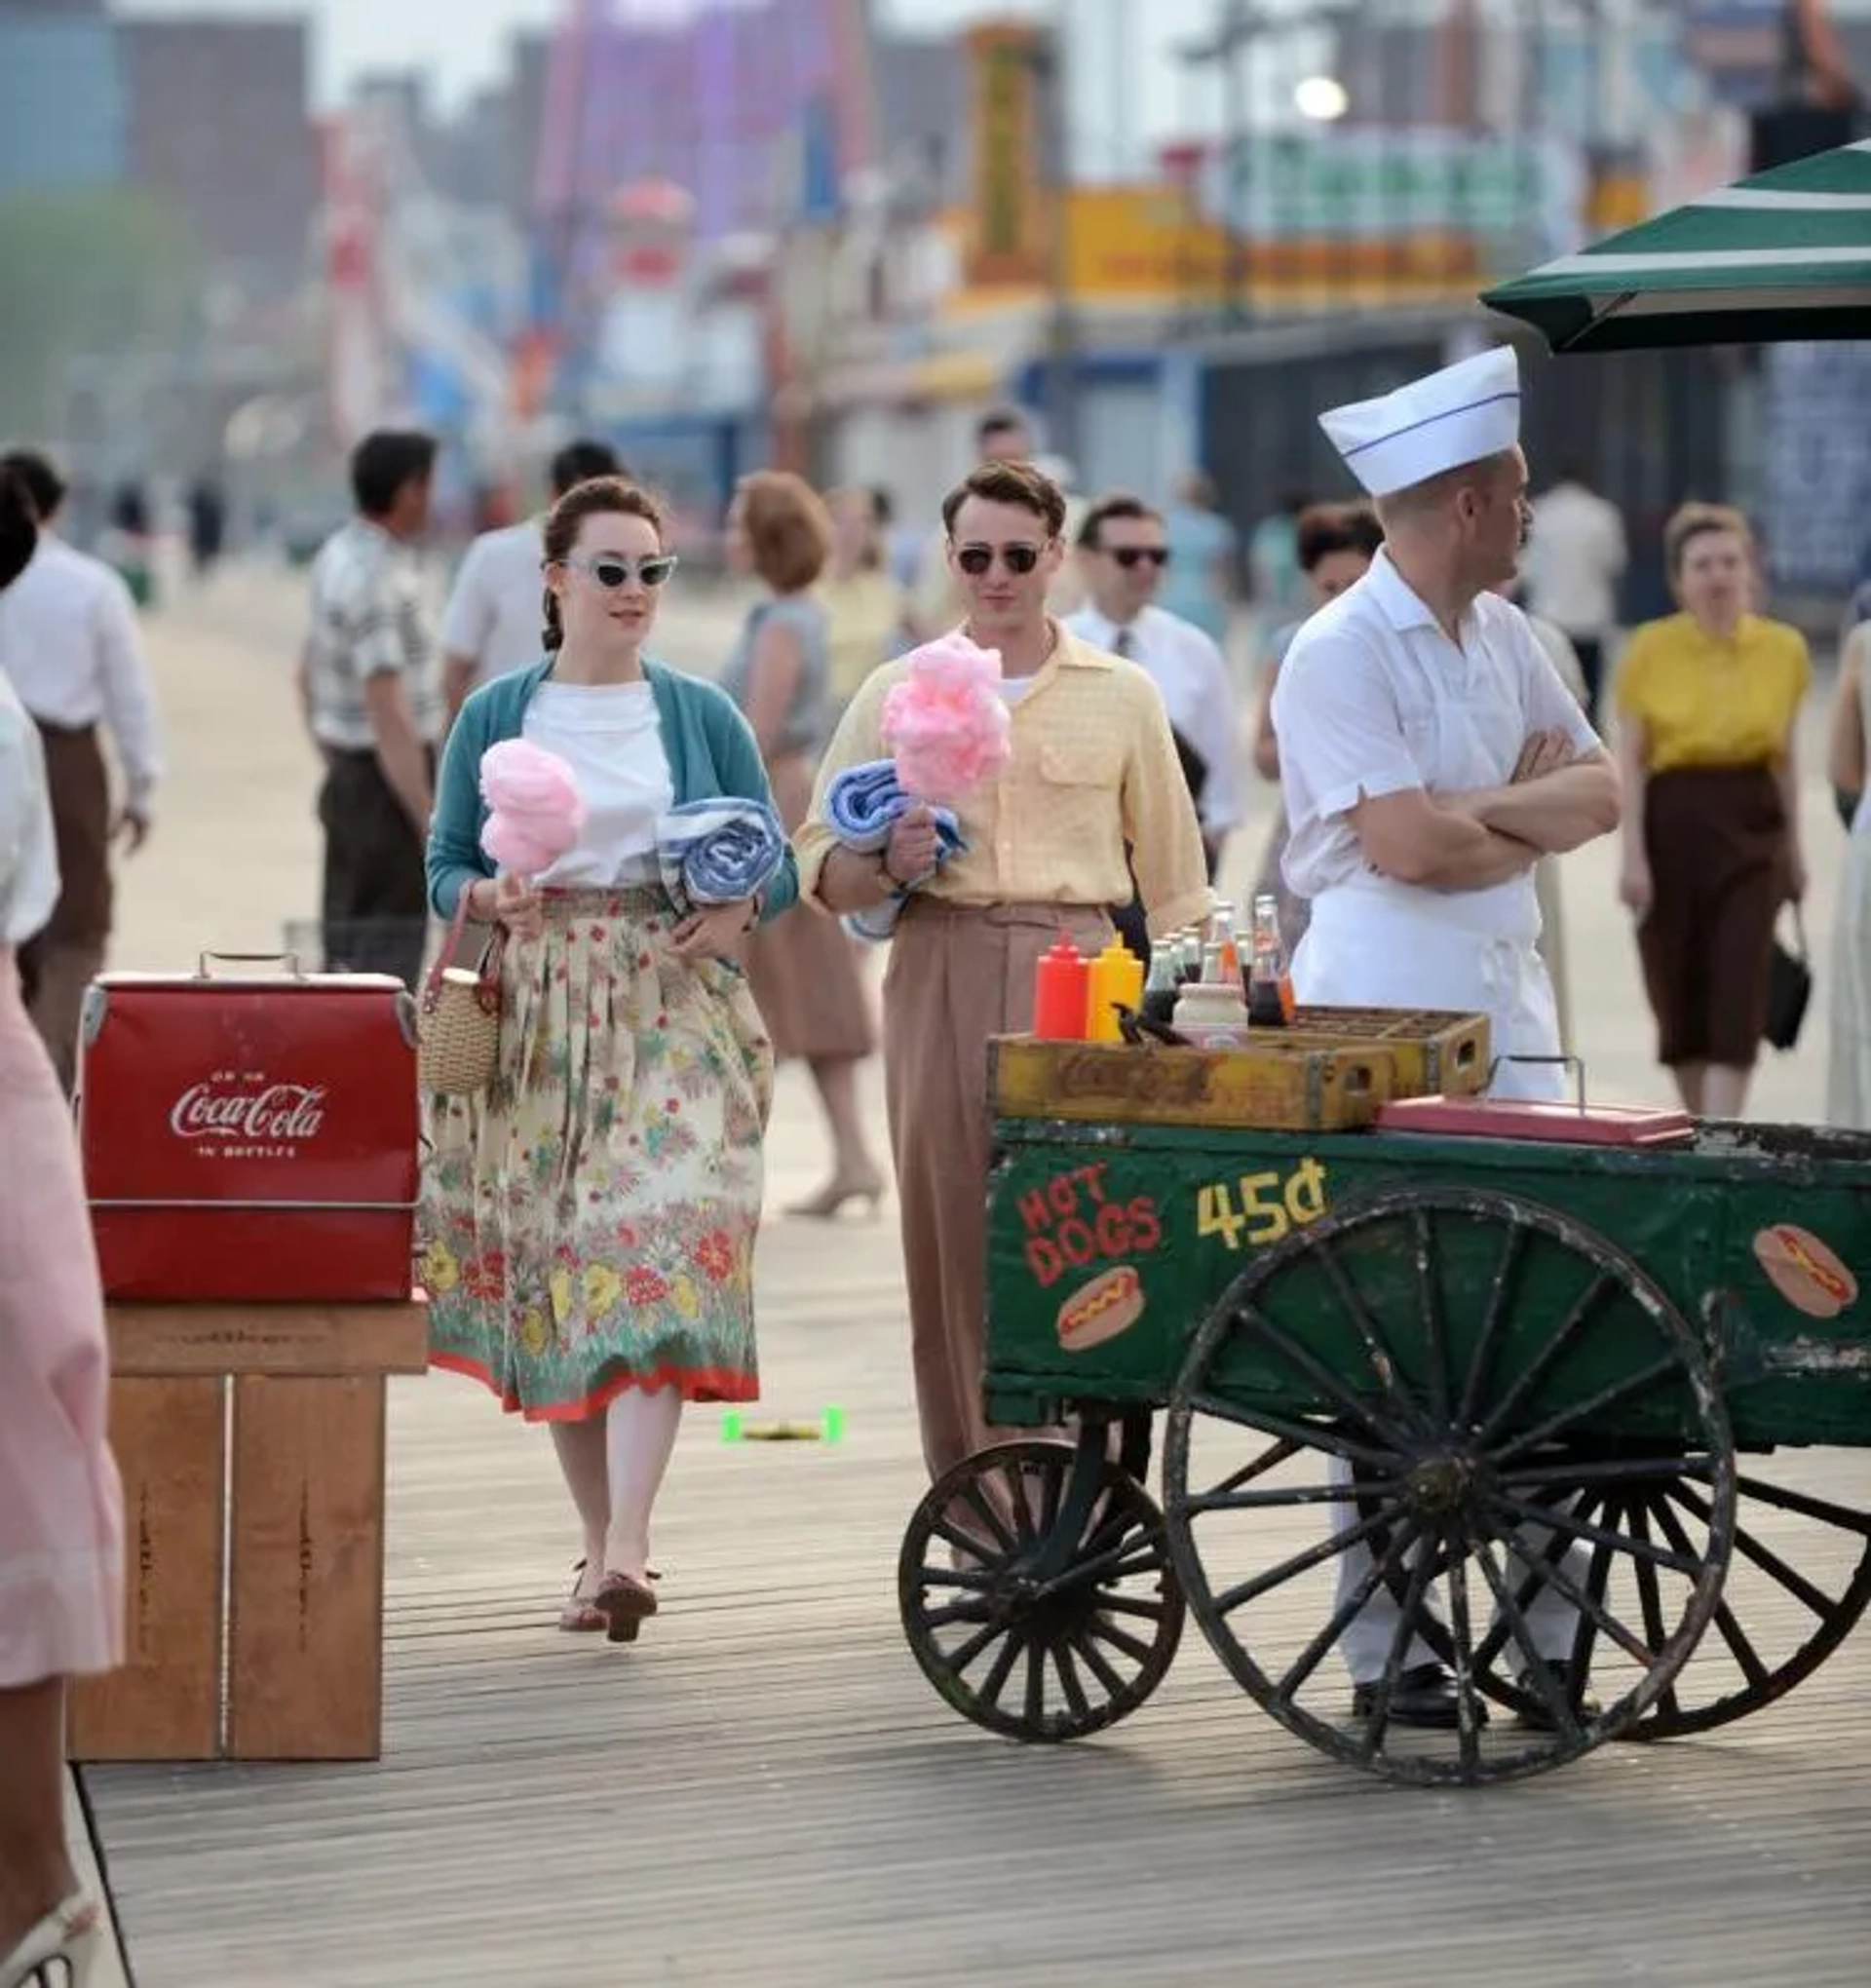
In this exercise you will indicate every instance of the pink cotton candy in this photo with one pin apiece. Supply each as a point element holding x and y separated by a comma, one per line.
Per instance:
<point>536,808</point>
<point>946,723</point>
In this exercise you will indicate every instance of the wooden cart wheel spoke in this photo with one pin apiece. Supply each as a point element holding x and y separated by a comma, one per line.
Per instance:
<point>1383,1567</point>
<point>1541,1367</point>
<point>1414,1596</point>
<point>1468,1701</point>
<point>1429,1284</point>
<point>1335,1543</point>
<point>1582,1415</point>
<point>1377,1349</point>
<point>1549,1384</point>
<point>1627,1471</point>
<point>1354,1493</point>
<point>1107,1631</point>
<point>1512,1625</point>
<point>1753,1668</point>
<point>997,1527</point>
<point>1094,1660</point>
<point>1407,1424</point>
<point>1628,1544</point>
<point>1077,1553</point>
<point>1810,1596</point>
<point>1589,1602</point>
<point>1012,1642</point>
<point>1303,1435</point>
<point>1502,1290</point>
<point>958,1612</point>
<point>1650,1600</point>
<point>1821,1509</point>
<point>1078,1703</point>
<point>1533,1567</point>
<point>1270,1459</point>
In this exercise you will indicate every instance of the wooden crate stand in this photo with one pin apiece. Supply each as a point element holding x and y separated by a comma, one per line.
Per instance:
<point>250,1439</point>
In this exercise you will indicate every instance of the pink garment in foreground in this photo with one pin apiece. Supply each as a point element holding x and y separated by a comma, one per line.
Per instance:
<point>61,1583</point>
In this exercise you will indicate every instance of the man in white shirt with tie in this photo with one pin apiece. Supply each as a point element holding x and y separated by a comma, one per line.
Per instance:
<point>494,616</point>
<point>70,647</point>
<point>1123,554</point>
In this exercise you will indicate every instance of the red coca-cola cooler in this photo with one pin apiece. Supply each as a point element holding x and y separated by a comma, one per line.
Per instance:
<point>250,1135</point>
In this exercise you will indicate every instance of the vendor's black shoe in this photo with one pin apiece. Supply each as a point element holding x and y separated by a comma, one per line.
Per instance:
<point>1424,1696</point>
<point>1566,1686</point>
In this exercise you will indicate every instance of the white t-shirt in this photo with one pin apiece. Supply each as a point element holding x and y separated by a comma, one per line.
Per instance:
<point>610,736</point>
<point>1374,699</point>
<point>28,853</point>
<point>496,612</point>
<point>1187,667</point>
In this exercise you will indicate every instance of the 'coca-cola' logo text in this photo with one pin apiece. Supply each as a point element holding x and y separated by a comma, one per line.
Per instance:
<point>239,1110</point>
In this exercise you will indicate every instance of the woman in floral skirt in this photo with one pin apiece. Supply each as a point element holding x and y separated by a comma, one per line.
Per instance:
<point>590,1221</point>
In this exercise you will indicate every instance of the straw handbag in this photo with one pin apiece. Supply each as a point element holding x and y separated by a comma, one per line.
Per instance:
<point>458,1021</point>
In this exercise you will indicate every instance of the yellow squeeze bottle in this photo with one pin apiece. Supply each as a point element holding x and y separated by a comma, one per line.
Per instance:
<point>1116,976</point>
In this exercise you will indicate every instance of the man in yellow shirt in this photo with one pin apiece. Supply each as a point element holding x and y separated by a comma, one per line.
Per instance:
<point>1094,766</point>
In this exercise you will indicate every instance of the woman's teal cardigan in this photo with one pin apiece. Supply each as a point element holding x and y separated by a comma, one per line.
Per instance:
<point>710,747</point>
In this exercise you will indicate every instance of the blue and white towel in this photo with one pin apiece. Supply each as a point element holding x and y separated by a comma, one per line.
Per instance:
<point>862,805</point>
<point>719,851</point>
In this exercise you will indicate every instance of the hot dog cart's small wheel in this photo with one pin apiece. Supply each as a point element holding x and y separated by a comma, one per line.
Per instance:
<point>1405,1447</point>
<point>1035,1589</point>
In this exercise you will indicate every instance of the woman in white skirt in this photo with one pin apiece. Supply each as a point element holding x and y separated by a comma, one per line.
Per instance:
<point>1848,1079</point>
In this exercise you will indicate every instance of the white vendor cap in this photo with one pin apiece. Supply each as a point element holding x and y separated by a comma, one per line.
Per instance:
<point>1459,415</point>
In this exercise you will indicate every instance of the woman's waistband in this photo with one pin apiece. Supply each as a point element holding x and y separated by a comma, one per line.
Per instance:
<point>1755,773</point>
<point>568,904</point>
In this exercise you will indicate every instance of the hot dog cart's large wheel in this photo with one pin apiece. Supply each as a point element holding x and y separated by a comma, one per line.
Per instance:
<point>1035,1589</point>
<point>1391,1429</point>
<point>1798,1581</point>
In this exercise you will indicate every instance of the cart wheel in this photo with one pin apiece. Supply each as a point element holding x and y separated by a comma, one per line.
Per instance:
<point>1776,1621</point>
<point>1035,1589</point>
<point>1434,1371</point>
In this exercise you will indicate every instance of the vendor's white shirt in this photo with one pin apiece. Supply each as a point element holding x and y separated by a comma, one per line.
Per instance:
<point>496,614</point>
<point>610,736</point>
<point>28,853</point>
<point>1188,667</point>
<point>1374,699</point>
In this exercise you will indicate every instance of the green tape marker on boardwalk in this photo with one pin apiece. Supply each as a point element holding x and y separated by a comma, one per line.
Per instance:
<point>829,1427</point>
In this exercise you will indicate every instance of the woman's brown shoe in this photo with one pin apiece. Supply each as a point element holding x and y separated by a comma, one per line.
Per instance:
<point>623,1603</point>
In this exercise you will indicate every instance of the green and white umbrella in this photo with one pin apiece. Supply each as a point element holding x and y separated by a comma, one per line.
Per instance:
<point>1785,254</point>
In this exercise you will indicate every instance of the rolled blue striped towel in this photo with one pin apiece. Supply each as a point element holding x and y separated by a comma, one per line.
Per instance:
<point>719,851</point>
<point>862,805</point>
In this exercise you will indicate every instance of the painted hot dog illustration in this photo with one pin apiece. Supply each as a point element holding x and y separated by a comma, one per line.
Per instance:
<point>1100,1310</point>
<point>1804,1271</point>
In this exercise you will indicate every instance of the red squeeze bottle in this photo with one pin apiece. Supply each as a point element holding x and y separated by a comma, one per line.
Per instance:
<point>1059,993</point>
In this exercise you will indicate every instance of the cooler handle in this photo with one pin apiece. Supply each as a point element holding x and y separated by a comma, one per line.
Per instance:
<point>289,960</point>
<point>1572,1063</point>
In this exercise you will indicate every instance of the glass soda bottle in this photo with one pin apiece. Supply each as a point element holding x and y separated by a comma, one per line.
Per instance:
<point>1165,981</point>
<point>1221,932</point>
<point>1270,990</point>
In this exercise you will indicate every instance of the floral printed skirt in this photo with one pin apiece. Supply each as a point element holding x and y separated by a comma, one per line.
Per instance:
<point>588,1224</point>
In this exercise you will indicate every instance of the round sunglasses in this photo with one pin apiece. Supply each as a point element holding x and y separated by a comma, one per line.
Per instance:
<point>1127,556</point>
<point>975,561</point>
<point>612,570</point>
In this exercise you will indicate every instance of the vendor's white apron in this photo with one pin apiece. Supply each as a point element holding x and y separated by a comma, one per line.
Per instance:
<point>1373,943</point>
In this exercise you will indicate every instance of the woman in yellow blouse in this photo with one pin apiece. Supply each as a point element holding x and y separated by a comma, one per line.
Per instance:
<point>1708,700</point>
